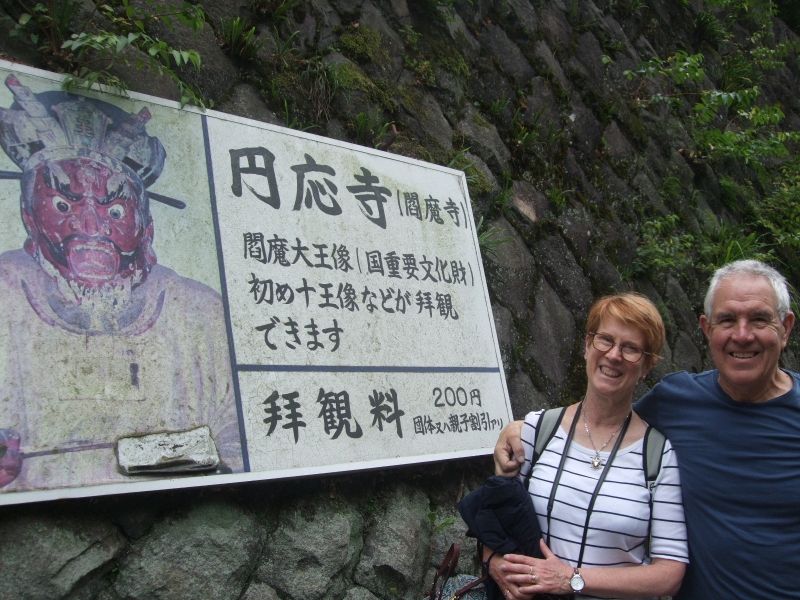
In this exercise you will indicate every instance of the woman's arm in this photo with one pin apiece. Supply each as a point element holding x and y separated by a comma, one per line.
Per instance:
<point>661,578</point>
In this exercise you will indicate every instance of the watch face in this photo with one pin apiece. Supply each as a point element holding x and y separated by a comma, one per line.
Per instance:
<point>576,582</point>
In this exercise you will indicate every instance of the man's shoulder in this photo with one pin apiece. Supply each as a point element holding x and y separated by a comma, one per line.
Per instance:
<point>670,391</point>
<point>685,376</point>
<point>680,380</point>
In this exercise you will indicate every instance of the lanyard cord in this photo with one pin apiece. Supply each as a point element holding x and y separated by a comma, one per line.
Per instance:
<point>596,491</point>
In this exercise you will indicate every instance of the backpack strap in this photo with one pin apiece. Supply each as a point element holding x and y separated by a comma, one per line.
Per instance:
<point>652,454</point>
<point>546,428</point>
<point>653,443</point>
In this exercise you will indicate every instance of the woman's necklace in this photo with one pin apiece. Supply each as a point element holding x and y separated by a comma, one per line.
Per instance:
<point>597,462</point>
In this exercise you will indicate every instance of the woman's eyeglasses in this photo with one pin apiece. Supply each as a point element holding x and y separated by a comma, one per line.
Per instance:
<point>604,343</point>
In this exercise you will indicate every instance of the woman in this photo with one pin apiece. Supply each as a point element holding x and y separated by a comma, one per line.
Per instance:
<point>596,518</point>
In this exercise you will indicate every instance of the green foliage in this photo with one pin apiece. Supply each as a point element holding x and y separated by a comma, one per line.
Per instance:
<point>47,24</point>
<point>671,188</point>
<point>305,87</point>
<point>558,196</point>
<point>709,28</point>
<point>454,62</point>
<point>729,243</point>
<point>665,248</point>
<point>490,238</point>
<point>321,86</point>
<point>363,43</point>
<point>680,68</point>
<point>779,212</point>
<point>90,56</point>
<point>410,36</point>
<point>277,10</point>
<point>438,525</point>
<point>627,7</point>
<point>736,128</point>
<point>286,53</point>
<point>293,117</point>
<point>422,68</point>
<point>370,128</point>
<point>350,78</point>
<point>498,107</point>
<point>532,140</point>
<point>662,247</point>
<point>477,183</point>
<point>239,40</point>
<point>502,200</point>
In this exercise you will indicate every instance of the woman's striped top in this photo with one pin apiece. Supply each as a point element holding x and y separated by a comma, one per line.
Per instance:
<point>618,524</point>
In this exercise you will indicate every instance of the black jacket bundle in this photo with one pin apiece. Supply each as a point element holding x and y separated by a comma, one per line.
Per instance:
<point>500,515</point>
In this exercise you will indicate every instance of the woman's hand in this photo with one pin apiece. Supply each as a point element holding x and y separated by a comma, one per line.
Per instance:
<point>505,576</point>
<point>525,576</point>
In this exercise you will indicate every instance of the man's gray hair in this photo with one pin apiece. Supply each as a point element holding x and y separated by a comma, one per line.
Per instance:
<point>755,268</point>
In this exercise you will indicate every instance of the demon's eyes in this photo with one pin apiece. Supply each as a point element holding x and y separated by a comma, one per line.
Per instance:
<point>60,204</point>
<point>116,212</point>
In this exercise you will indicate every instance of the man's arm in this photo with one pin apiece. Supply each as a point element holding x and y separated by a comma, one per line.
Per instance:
<point>508,452</point>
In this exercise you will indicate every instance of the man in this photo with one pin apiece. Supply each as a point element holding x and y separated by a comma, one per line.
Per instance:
<point>736,432</point>
<point>97,341</point>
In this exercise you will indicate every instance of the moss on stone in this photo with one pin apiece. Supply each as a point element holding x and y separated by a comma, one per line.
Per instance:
<point>363,43</point>
<point>350,78</point>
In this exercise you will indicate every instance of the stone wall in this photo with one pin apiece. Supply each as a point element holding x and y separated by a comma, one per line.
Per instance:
<point>530,98</point>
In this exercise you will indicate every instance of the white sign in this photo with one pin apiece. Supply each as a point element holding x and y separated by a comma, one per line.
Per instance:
<point>320,306</point>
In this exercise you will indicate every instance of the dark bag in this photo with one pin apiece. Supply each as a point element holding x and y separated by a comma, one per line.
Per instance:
<point>500,514</point>
<point>472,588</point>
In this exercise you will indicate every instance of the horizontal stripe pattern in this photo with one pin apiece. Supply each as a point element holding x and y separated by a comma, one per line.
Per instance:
<point>618,525</point>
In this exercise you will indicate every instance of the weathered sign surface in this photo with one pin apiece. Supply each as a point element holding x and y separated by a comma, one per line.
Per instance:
<point>318,306</point>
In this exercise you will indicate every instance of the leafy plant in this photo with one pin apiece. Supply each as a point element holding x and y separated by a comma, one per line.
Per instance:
<point>238,39</point>
<point>90,56</point>
<point>370,128</point>
<point>476,181</point>
<point>557,196</point>
<point>729,243</point>
<point>708,27</point>
<point>498,107</point>
<point>293,118</point>
<point>410,36</point>
<point>320,85</point>
<point>662,247</point>
<point>490,238</point>
<point>363,43</point>
<point>278,10</point>
<point>47,24</point>
<point>735,127</point>
<point>423,70</point>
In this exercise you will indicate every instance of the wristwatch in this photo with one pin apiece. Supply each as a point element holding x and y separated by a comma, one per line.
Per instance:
<point>576,582</point>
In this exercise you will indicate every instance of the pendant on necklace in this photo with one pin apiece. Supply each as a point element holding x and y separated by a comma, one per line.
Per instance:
<point>596,462</point>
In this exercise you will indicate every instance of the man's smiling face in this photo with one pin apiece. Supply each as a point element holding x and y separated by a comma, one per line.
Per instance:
<point>746,337</point>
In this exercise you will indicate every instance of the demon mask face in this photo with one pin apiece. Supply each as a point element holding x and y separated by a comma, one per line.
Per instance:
<point>89,221</point>
<point>85,166</point>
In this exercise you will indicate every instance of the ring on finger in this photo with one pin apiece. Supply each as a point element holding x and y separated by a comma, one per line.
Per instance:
<point>533,578</point>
